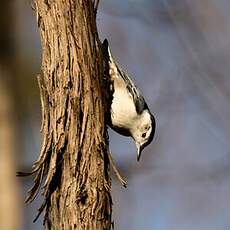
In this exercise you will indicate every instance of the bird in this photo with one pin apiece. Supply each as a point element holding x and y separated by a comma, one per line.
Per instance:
<point>129,112</point>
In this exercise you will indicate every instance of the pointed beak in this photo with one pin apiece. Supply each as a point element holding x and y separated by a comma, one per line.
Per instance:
<point>139,150</point>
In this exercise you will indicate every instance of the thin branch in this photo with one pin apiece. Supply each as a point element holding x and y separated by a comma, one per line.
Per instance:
<point>117,173</point>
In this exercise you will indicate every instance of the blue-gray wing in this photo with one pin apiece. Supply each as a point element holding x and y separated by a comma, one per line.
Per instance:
<point>138,99</point>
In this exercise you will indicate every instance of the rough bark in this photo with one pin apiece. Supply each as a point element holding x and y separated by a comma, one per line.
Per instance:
<point>74,151</point>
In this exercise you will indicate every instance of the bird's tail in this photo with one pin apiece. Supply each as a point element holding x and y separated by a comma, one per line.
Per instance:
<point>106,51</point>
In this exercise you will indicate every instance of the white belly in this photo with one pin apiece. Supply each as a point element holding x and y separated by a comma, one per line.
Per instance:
<point>123,110</point>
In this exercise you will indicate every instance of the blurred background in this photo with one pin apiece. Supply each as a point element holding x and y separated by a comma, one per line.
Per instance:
<point>178,53</point>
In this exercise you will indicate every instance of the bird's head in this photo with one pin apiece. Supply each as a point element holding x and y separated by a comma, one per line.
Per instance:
<point>144,131</point>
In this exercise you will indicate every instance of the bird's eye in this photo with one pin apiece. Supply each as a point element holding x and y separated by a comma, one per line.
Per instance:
<point>143,135</point>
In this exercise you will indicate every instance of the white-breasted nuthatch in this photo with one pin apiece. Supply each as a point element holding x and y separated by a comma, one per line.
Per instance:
<point>130,115</point>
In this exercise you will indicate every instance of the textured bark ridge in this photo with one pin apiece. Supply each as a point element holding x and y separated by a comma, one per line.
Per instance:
<point>74,154</point>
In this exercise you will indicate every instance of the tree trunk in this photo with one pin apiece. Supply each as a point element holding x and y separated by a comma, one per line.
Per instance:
<point>74,151</point>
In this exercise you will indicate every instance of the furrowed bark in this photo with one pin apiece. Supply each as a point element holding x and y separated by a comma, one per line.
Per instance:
<point>74,154</point>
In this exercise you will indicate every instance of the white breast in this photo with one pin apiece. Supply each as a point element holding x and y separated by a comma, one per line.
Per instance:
<point>123,110</point>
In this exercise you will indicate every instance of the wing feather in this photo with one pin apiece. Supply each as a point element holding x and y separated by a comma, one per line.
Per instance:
<point>134,92</point>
